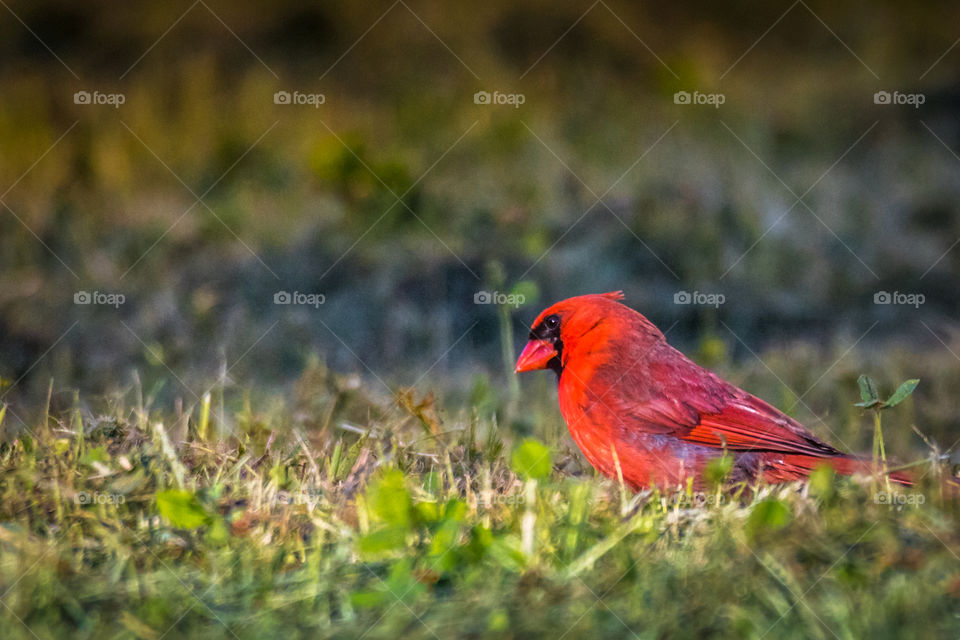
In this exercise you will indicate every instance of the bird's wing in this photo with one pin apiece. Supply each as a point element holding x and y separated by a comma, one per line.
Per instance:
<point>748,423</point>
<point>677,397</point>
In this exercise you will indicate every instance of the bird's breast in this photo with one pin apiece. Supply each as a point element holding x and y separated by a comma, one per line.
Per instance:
<point>587,418</point>
<point>613,444</point>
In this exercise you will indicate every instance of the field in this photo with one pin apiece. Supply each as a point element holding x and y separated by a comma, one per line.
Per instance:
<point>264,271</point>
<point>301,521</point>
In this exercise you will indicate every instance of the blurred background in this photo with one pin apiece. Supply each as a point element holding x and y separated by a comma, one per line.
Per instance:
<point>383,195</point>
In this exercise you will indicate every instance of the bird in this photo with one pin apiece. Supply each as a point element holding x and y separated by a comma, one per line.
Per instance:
<point>643,412</point>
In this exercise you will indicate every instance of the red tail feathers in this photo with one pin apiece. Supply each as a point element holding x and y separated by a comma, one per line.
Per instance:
<point>798,467</point>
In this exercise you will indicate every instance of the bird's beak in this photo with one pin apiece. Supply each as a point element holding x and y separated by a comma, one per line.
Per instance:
<point>536,355</point>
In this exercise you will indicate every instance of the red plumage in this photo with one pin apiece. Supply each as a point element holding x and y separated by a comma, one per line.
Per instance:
<point>629,398</point>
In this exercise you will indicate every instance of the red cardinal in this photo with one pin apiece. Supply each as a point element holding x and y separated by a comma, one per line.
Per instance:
<point>629,398</point>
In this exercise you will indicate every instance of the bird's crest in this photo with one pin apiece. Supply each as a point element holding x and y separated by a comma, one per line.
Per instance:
<point>613,295</point>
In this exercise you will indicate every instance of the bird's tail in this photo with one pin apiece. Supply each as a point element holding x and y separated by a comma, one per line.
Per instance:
<point>850,466</point>
<point>799,467</point>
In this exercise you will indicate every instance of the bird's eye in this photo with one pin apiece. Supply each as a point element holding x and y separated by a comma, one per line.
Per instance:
<point>552,322</point>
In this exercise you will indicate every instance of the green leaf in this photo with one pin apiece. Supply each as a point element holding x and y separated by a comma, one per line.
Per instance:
<point>388,500</point>
<point>403,583</point>
<point>480,540</point>
<point>400,587</point>
<point>218,534</point>
<point>61,446</point>
<point>525,292</point>
<point>427,511</point>
<point>532,459</point>
<point>182,509</point>
<point>455,510</point>
<point>903,392</point>
<point>768,515</point>
<point>498,620</point>
<point>95,454</point>
<point>368,599</point>
<point>380,542</point>
<point>278,473</point>
<point>717,470</point>
<point>505,551</point>
<point>867,404</point>
<point>868,390</point>
<point>445,540</point>
<point>821,481</point>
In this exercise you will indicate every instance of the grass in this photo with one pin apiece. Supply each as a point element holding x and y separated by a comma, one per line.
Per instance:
<point>134,522</point>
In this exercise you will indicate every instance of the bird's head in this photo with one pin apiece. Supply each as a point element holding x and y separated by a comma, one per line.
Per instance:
<point>561,325</point>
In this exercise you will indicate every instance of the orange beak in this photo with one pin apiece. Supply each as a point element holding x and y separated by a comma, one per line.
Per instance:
<point>535,356</point>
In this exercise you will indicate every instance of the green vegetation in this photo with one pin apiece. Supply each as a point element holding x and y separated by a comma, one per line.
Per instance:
<point>404,524</point>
